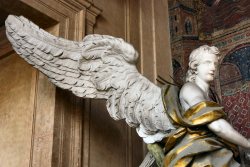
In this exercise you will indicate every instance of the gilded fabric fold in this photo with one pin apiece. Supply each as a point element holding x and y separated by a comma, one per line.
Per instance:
<point>193,144</point>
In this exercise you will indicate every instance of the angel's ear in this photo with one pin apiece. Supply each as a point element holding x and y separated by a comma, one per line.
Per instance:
<point>193,64</point>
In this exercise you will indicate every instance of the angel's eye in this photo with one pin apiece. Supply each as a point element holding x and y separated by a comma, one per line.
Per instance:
<point>206,62</point>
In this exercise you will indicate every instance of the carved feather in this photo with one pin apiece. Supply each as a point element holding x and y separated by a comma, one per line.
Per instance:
<point>100,66</point>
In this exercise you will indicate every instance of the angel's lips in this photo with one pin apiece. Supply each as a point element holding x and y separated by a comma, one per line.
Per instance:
<point>212,74</point>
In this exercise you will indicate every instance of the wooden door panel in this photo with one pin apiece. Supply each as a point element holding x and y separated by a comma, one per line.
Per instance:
<point>108,138</point>
<point>17,92</point>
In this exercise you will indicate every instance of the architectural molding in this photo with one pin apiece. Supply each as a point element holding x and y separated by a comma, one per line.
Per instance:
<point>76,15</point>
<point>6,48</point>
<point>56,132</point>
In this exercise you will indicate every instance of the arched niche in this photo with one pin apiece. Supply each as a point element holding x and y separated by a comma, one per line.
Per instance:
<point>188,26</point>
<point>230,75</point>
<point>234,84</point>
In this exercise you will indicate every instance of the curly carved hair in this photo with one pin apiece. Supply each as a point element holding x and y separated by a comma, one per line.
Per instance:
<point>195,58</point>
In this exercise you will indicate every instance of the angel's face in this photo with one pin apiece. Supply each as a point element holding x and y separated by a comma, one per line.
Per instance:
<point>207,67</point>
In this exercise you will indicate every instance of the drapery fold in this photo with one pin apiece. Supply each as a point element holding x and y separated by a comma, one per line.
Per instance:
<point>192,143</point>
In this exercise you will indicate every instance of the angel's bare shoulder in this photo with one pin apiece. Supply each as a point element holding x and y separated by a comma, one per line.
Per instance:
<point>190,88</point>
<point>191,94</point>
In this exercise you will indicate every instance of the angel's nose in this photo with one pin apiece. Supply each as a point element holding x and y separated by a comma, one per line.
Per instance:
<point>212,66</point>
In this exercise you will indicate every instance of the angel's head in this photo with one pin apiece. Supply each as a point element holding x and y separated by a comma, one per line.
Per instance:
<point>203,62</point>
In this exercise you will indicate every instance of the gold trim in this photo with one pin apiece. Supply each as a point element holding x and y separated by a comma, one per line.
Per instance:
<point>191,138</point>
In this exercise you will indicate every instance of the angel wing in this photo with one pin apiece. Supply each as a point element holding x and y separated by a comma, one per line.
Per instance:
<point>100,66</point>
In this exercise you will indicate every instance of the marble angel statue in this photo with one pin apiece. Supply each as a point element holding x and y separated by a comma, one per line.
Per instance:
<point>192,132</point>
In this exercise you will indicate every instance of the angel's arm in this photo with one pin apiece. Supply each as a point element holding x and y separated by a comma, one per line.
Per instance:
<point>192,95</point>
<point>223,129</point>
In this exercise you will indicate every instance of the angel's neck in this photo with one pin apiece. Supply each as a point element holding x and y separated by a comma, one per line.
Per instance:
<point>202,84</point>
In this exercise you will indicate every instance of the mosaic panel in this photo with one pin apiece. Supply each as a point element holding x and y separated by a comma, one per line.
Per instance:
<point>224,15</point>
<point>241,58</point>
<point>235,89</point>
<point>237,108</point>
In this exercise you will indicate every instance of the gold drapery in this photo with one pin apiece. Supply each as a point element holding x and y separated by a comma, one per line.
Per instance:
<point>193,144</point>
